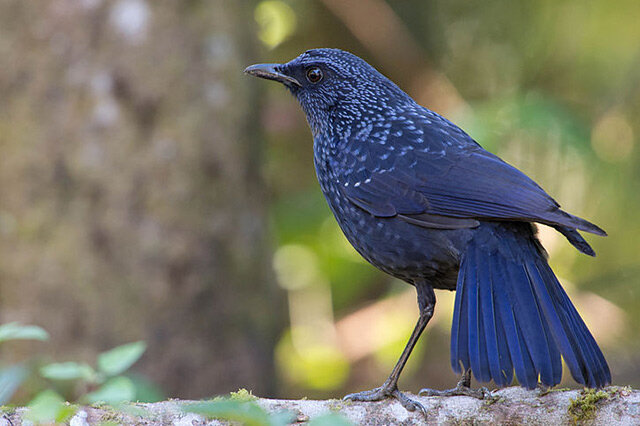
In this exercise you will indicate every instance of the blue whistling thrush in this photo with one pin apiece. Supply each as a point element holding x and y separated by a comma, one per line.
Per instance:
<point>421,200</point>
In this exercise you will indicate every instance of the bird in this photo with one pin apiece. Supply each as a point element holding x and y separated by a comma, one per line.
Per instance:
<point>421,200</point>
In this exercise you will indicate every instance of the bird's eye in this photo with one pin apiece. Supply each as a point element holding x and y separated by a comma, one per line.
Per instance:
<point>314,74</point>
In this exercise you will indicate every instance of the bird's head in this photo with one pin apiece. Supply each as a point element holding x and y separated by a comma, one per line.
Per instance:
<point>333,87</point>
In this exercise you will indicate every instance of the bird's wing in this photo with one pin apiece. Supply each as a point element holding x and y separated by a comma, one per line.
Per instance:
<point>384,195</point>
<point>438,174</point>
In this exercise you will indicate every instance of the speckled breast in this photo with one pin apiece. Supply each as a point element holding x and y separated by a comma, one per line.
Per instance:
<point>403,250</point>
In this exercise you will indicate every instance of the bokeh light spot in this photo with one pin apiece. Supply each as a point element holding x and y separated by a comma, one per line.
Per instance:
<point>276,20</point>
<point>320,366</point>
<point>612,137</point>
<point>296,267</point>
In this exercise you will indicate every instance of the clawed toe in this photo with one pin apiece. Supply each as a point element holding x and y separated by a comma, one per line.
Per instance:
<point>482,393</point>
<point>463,388</point>
<point>376,394</point>
<point>408,403</point>
<point>382,392</point>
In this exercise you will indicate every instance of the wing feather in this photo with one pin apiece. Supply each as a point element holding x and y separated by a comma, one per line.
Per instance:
<point>431,175</point>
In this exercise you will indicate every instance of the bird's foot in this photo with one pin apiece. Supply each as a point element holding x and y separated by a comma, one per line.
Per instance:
<point>463,388</point>
<point>384,392</point>
<point>544,389</point>
<point>482,393</point>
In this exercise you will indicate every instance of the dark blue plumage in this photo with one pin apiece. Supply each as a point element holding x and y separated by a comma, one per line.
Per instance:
<point>421,200</point>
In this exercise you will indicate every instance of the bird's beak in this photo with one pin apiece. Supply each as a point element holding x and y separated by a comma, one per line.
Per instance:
<point>270,72</point>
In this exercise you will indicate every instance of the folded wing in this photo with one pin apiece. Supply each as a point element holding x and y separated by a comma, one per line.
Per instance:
<point>435,182</point>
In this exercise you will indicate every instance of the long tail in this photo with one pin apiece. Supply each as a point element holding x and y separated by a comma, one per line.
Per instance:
<point>512,314</point>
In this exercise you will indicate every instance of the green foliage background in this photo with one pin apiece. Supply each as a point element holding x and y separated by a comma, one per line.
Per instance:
<point>553,88</point>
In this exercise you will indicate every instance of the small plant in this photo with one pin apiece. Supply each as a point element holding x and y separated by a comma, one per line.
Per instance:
<point>247,413</point>
<point>240,407</point>
<point>103,384</point>
<point>242,395</point>
<point>49,407</point>
<point>584,406</point>
<point>112,386</point>
<point>11,377</point>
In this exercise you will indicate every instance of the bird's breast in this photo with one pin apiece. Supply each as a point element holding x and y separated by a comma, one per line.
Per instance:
<point>391,244</point>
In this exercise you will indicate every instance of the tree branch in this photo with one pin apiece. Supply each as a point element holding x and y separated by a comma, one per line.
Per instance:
<point>515,405</point>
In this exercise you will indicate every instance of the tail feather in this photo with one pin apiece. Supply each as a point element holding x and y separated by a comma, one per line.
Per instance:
<point>576,222</point>
<point>530,378</point>
<point>506,365</point>
<point>497,352</point>
<point>530,325</point>
<point>477,339</point>
<point>556,323</point>
<point>597,374</point>
<point>465,343</point>
<point>522,362</point>
<point>588,356</point>
<point>460,339</point>
<point>511,313</point>
<point>556,361</point>
<point>530,319</point>
<point>576,240</point>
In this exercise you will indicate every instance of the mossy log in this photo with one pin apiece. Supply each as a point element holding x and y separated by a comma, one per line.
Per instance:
<point>610,406</point>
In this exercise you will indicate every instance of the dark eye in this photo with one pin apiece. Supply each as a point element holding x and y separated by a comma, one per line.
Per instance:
<point>314,74</point>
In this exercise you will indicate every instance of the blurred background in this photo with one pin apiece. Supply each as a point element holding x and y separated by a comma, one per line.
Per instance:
<point>149,191</point>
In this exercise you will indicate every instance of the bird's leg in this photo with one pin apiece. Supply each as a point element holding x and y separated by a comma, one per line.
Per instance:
<point>389,389</point>
<point>463,388</point>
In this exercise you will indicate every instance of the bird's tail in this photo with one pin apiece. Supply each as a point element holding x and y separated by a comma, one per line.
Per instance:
<point>512,314</point>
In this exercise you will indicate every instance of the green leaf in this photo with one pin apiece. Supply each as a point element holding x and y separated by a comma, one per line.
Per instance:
<point>332,419</point>
<point>146,390</point>
<point>49,407</point>
<point>114,391</point>
<point>246,413</point>
<point>283,417</point>
<point>15,331</point>
<point>68,371</point>
<point>118,360</point>
<point>10,379</point>
<point>130,408</point>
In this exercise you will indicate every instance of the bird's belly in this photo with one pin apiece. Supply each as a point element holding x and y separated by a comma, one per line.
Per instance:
<point>406,251</point>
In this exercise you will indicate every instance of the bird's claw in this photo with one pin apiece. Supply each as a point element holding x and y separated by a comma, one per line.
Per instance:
<point>482,393</point>
<point>543,389</point>
<point>384,392</point>
<point>463,388</point>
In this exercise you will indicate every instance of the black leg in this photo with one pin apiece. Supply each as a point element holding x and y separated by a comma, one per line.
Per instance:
<point>389,389</point>
<point>463,388</point>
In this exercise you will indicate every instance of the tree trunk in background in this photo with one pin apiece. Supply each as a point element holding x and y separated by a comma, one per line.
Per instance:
<point>131,204</point>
